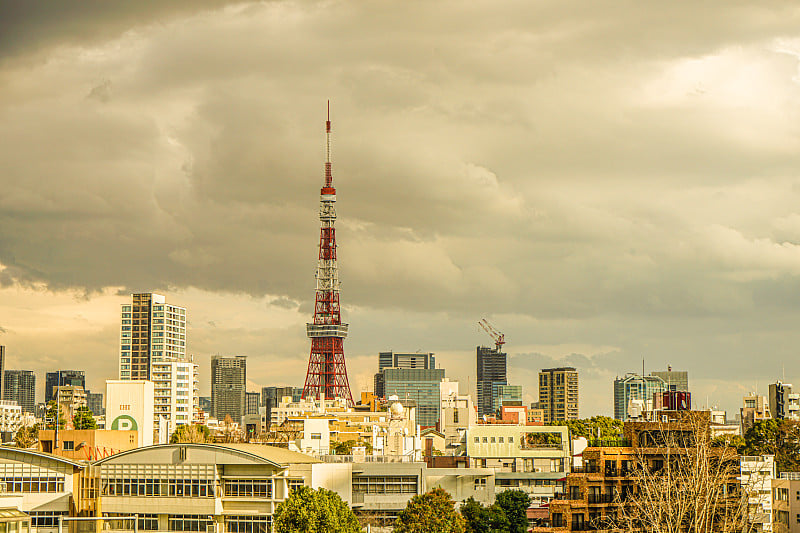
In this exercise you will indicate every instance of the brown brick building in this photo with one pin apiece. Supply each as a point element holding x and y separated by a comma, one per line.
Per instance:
<point>608,478</point>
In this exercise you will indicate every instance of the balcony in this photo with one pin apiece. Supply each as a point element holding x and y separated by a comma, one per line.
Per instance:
<point>594,499</point>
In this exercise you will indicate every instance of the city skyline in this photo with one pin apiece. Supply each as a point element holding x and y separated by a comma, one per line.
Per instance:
<point>602,193</point>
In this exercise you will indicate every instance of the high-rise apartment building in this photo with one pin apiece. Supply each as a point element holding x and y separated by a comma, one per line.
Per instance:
<point>491,367</point>
<point>676,380</point>
<point>2,369</point>
<point>418,384</point>
<point>151,331</point>
<point>176,395</point>
<point>62,378</point>
<point>783,403</point>
<point>20,386</point>
<point>153,347</point>
<point>228,386</point>
<point>635,387</point>
<point>558,393</point>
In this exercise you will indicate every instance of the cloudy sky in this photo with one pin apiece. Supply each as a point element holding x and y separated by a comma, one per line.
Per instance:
<point>606,182</point>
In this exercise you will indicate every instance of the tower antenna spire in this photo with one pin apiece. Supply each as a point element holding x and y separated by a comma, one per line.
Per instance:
<point>326,376</point>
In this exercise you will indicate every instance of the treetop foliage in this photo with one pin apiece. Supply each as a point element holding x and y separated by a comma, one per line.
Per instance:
<point>315,511</point>
<point>432,512</point>
<point>83,419</point>
<point>195,433</point>
<point>609,428</point>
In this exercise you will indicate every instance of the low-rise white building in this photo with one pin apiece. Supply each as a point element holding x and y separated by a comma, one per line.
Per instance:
<point>535,459</point>
<point>757,475</point>
<point>10,417</point>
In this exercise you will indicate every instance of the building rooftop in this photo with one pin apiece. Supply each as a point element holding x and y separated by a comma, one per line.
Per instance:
<point>281,456</point>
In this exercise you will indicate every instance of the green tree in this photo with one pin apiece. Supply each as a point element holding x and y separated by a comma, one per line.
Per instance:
<point>780,438</point>
<point>729,441</point>
<point>346,447</point>
<point>515,504</point>
<point>315,511</point>
<point>480,519</point>
<point>432,512</point>
<point>343,448</point>
<point>608,428</point>
<point>26,436</point>
<point>83,419</point>
<point>50,420</point>
<point>195,433</point>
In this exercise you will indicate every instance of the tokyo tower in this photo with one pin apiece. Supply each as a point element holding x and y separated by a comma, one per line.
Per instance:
<point>326,376</point>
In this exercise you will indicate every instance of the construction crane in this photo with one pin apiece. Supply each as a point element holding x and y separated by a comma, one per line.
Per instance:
<point>499,338</point>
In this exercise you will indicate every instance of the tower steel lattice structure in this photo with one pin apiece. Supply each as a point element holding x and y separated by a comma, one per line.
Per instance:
<point>326,376</point>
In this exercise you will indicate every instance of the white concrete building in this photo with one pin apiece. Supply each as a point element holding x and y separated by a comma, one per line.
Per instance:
<point>757,475</point>
<point>46,486</point>
<point>458,413</point>
<point>176,396</point>
<point>535,459</point>
<point>10,417</point>
<point>130,406</point>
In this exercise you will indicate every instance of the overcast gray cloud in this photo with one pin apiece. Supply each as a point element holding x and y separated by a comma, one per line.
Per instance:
<point>620,177</point>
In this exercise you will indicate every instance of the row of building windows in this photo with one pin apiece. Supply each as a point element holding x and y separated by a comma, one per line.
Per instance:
<point>385,484</point>
<point>492,440</point>
<point>158,487</point>
<point>35,484</point>
<point>248,524</point>
<point>190,522</point>
<point>46,518</point>
<point>248,488</point>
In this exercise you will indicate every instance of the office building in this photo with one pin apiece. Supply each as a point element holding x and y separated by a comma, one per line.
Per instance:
<point>558,393</point>
<point>420,385</point>
<point>252,403</point>
<point>151,331</point>
<point>423,360</point>
<point>228,386</point>
<point>506,395</point>
<point>20,386</point>
<point>62,378</point>
<point>676,380</point>
<point>635,387</point>
<point>783,403</point>
<point>406,360</point>
<point>272,396</point>
<point>491,370</point>
<point>95,403</point>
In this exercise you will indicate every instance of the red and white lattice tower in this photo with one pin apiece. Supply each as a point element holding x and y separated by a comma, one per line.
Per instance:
<point>327,374</point>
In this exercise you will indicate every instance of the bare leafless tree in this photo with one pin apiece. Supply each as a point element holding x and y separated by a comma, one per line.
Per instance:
<point>680,483</point>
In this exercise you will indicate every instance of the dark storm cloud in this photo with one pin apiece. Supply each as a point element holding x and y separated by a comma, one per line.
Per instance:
<point>620,175</point>
<point>34,27</point>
